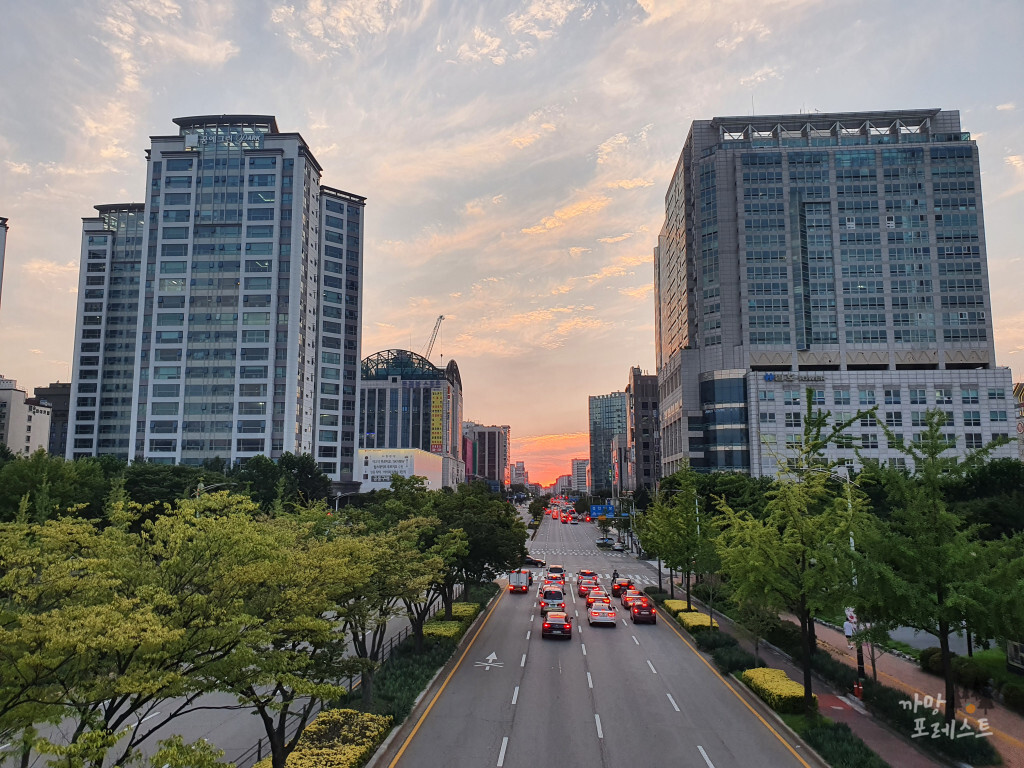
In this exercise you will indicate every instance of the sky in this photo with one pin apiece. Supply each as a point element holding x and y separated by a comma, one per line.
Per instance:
<point>514,155</point>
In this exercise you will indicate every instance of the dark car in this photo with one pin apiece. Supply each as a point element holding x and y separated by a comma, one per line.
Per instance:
<point>534,561</point>
<point>604,542</point>
<point>556,624</point>
<point>642,610</point>
<point>620,585</point>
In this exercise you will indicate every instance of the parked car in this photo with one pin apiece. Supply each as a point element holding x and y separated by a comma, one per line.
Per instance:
<point>604,543</point>
<point>534,561</point>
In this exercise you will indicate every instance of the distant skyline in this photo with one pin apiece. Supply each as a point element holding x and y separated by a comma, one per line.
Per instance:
<point>514,155</point>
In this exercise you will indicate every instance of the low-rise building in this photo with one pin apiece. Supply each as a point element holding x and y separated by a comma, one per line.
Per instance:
<point>24,421</point>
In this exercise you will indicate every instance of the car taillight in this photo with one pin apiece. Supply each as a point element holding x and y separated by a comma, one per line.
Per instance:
<point>561,605</point>
<point>546,625</point>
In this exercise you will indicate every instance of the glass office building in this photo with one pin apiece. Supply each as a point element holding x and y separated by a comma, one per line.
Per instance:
<point>607,424</point>
<point>837,257</point>
<point>221,318</point>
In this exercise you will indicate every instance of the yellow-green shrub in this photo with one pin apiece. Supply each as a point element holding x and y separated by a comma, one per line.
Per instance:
<point>674,606</point>
<point>338,738</point>
<point>776,689</point>
<point>696,622</point>
<point>452,629</point>
<point>465,611</point>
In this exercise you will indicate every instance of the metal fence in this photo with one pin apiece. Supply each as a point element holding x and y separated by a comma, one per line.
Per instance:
<point>261,749</point>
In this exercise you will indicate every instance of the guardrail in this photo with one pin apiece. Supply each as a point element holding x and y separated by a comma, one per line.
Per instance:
<point>255,753</point>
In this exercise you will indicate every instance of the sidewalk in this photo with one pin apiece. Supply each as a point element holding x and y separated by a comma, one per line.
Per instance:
<point>842,707</point>
<point>1007,726</point>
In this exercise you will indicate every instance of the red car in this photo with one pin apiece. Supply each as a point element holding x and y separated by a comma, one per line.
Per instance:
<point>621,585</point>
<point>585,586</point>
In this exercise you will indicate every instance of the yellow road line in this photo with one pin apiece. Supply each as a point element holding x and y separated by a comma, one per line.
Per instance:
<point>671,625</point>
<point>444,685</point>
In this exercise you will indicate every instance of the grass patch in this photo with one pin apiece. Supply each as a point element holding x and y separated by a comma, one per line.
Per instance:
<point>993,661</point>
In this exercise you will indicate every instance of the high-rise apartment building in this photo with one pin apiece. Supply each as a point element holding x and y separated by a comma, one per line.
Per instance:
<point>581,475</point>
<point>644,434</point>
<point>221,317</point>
<point>518,474</point>
<point>839,257</point>
<point>607,421</point>
<point>490,453</point>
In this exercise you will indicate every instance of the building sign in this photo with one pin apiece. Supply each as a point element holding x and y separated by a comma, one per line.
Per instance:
<point>436,420</point>
<point>381,466</point>
<point>794,377</point>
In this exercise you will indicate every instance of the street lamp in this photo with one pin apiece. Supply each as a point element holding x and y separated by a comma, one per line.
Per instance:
<point>201,489</point>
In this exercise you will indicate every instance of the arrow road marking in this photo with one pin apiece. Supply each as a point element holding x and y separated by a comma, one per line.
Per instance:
<point>491,661</point>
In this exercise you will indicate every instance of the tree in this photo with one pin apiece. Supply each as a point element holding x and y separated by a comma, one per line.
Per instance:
<point>304,480</point>
<point>54,486</point>
<point>798,554</point>
<point>289,660</point>
<point>260,475</point>
<point>671,522</point>
<point>434,551</point>
<point>927,568</point>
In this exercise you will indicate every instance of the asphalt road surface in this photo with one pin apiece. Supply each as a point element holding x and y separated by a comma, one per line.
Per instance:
<point>629,695</point>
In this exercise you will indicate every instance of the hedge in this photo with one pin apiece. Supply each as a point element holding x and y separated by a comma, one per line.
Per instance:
<point>674,606</point>
<point>710,641</point>
<point>696,622</point>
<point>776,689</point>
<point>338,738</point>
<point>732,658</point>
<point>1013,696</point>
<point>451,629</point>
<point>840,747</point>
<point>464,612</point>
<point>657,595</point>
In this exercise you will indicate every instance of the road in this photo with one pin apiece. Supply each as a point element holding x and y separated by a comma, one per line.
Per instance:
<point>632,695</point>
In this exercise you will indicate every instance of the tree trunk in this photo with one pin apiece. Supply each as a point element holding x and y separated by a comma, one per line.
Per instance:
<point>806,631</point>
<point>813,633</point>
<point>447,599</point>
<point>947,672</point>
<point>970,645</point>
<point>367,687</point>
<point>671,584</point>
<point>689,607</point>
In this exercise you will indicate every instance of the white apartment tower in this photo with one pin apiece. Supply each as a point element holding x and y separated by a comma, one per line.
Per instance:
<point>221,317</point>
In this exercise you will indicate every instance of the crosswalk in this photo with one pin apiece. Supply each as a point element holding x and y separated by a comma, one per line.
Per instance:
<point>638,578</point>
<point>576,552</point>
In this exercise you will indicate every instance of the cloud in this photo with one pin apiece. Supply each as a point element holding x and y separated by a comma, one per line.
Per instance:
<point>741,31</point>
<point>22,169</point>
<point>629,183</point>
<point>483,46</point>
<point>569,212</point>
<point>541,18</point>
<point>638,292</point>
<point>49,270</point>
<point>617,239</point>
<point>607,147</point>
<point>760,76</point>
<point>1007,107</point>
<point>318,29</point>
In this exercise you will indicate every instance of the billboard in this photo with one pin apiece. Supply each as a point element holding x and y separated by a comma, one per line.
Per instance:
<point>436,420</point>
<point>377,465</point>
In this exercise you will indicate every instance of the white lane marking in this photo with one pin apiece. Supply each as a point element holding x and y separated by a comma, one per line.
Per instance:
<point>672,702</point>
<point>584,649</point>
<point>590,682</point>
<point>527,634</point>
<point>531,618</point>
<point>523,662</point>
<point>635,640</point>
<point>535,605</point>
<point>624,623</point>
<point>515,694</point>
<point>501,755</point>
<point>652,667</point>
<point>705,756</point>
<point>600,733</point>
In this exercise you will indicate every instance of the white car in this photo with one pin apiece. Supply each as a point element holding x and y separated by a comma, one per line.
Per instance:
<point>601,614</point>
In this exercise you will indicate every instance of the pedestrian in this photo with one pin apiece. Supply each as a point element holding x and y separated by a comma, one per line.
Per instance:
<point>615,575</point>
<point>848,631</point>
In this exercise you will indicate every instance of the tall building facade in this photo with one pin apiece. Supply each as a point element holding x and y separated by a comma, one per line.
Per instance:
<point>491,453</point>
<point>581,475</point>
<point>58,395</point>
<point>839,257</point>
<point>518,474</point>
<point>607,421</point>
<point>24,421</point>
<point>406,402</point>
<point>643,429</point>
<point>221,317</point>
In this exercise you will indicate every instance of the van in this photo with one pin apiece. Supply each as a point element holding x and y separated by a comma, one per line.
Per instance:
<point>519,581</point>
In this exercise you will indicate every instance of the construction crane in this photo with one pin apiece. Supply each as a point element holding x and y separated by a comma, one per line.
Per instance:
<point>433,337</point>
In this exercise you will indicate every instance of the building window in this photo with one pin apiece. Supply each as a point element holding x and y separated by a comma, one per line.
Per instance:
<point>793,419</point>
<point>868,440</point>
<point>841,396</point>
<point>868,420</point>
<point>969,396</point>
<point>943,396</point>
<point>973,441</point>
<point>997,415</point>
<point>867,396</point>
<point>791,397</point>
<point>818,397</point>
<point>892,397</point>
<point>893,419</point>
<point>918,397</point>
<point>972,418</point>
